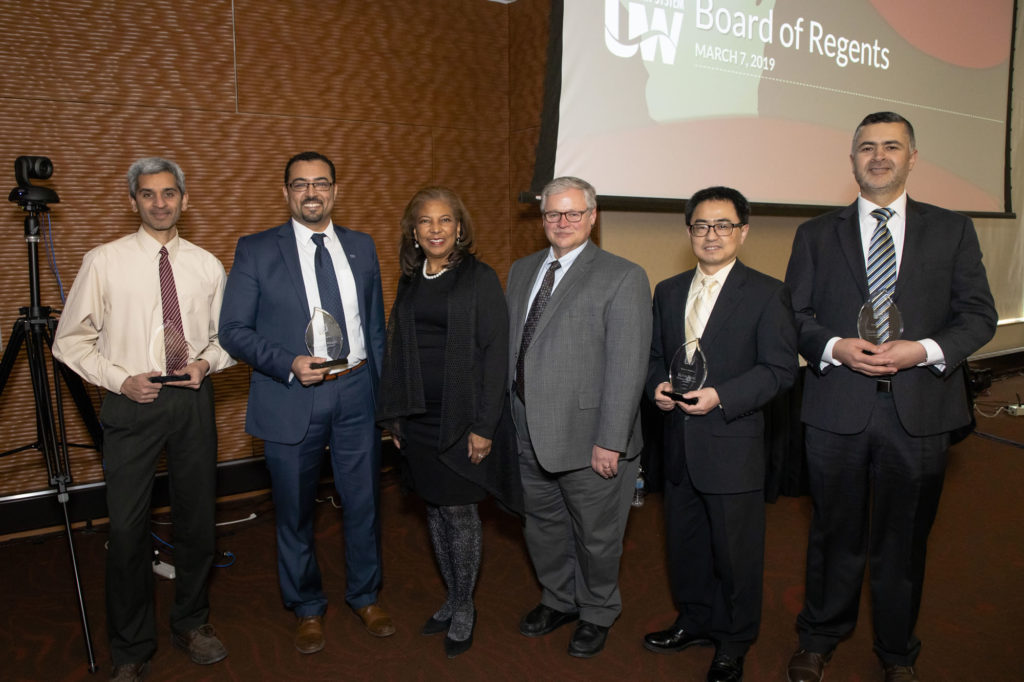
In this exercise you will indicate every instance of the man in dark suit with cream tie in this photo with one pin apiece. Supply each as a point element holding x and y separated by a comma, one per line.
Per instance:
<point>878,416</point>
<point>580,321</point>
<point>715,447</point>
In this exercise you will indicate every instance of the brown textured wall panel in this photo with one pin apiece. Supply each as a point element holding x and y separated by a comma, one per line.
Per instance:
<point>399,95</point>
<point>429,62</point>
<point>161,53</point>
<point>528,46</point>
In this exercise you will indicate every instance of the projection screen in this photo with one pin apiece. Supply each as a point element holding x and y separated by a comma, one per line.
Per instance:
<point>654,99</point>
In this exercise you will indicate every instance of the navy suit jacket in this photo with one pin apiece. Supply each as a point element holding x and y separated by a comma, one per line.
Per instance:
<point>941,290</point>
<point>263,322</point>
<point>750,345</point>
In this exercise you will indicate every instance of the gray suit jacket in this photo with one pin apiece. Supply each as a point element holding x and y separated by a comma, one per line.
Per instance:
<point>587,362</point>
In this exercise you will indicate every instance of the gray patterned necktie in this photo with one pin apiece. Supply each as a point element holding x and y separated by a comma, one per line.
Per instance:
<point>881,269</point>
<point>540,302</point>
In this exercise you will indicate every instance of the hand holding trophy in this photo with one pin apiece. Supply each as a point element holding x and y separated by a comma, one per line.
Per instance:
<point>325,339</point>
<point>688,371</point>
<point>880,320</point>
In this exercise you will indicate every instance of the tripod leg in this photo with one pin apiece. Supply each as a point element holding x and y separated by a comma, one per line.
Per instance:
<point>11,351</point>
<point>78,586</point>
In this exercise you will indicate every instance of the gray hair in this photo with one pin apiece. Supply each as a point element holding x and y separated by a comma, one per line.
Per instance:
<point>566,183</point>
<point>152,165</point>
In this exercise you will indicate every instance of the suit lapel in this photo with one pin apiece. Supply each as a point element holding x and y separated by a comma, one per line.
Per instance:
<point>569,281</point>
<point>725,304</point>
<point>850,245</point>
<point>518,298</point>
<point>354,266</point>
<point>914,246</point>
<point>290,257</point>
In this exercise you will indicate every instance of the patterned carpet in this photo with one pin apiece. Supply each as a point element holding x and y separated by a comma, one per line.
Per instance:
<point>970,620</point>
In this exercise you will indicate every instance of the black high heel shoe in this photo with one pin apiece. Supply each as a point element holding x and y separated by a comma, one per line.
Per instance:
<point>453,648</point>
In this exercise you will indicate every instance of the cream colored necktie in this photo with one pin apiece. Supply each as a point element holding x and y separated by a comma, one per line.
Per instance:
<point>701,310</point>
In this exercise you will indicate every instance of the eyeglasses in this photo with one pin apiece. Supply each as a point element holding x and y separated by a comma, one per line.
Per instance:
<point>299,186</point>
<point>722,229</point>
<point>571,216</point>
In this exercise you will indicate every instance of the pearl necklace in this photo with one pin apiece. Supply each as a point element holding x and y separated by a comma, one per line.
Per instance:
<point>427,275</point>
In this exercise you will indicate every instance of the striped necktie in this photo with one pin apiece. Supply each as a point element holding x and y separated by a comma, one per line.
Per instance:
<point>699,313</point>
<point>540,302</point>
<point>175,346</point>
<point>881,270</point>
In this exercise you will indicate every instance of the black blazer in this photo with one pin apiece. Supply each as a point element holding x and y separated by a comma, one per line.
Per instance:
<point>942,293</point>
<point>750,345</point>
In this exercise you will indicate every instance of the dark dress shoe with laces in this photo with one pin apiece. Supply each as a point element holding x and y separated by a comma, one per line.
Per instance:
<point>726,669</point>
<point>201,644</point>
<point>544,619</point>
<point>673,639</point>
<point>130,672</point>
<point>807,666</point>
<point>588,640</point>
<point>899,673</point>
<point>434,626</point>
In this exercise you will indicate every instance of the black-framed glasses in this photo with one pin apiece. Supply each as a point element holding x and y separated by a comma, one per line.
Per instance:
<point>571,216</point>
<point>299,186</point>
<point>722,229</point>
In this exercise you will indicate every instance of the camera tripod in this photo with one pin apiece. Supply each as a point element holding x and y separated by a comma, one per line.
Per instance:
<point>34,330</point>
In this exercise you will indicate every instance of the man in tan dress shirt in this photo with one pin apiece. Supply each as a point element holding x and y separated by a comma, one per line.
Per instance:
<point>141,321</point>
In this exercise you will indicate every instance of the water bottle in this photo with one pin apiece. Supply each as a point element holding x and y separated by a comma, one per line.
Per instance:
<point>639,491</point>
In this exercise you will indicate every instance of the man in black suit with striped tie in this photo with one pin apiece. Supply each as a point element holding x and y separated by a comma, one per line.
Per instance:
<point>878,416</point>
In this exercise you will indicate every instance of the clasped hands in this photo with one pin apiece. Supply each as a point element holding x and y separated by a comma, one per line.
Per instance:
<point>139,388</point>
<point>878,361</point>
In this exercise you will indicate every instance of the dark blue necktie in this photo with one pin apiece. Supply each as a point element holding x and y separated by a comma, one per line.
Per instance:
<point>330,293</point>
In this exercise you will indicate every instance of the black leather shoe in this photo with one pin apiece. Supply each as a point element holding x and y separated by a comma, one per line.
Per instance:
<point>807,666</point>
<point>434,626</point>
<point>544,619</point>
<point>726,669</point>
<point>673,639</point>
<point>588,640</point>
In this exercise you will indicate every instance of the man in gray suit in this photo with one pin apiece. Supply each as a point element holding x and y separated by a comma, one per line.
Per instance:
<point>580,321</point>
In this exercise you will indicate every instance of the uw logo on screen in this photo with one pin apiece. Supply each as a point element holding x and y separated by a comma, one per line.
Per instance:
<point>652,27</point>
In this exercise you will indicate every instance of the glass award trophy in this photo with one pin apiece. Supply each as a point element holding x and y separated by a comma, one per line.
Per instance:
<point>880,320</point>
<point>687,372</point>
<point>325,339</point>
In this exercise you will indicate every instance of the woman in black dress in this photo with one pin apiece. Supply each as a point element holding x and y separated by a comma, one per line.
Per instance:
<point>442,394</point>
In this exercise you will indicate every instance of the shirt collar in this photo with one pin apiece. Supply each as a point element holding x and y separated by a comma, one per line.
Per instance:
<point>304,235</point>
<point>866,206</point>
<point>568,259</point>
<point>719,276</point>
<point>151,247</point>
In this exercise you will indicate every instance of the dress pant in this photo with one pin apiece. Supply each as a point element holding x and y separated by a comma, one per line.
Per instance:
<point>342,417</point>
<point>715,547</point>
<point>875,496</point>
<point>181,423</point>
<point>574,525</point>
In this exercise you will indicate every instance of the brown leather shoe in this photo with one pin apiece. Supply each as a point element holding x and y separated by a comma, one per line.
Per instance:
<point>129,672</point>
<point>899,673</point>
<point>201,645</point>
<point>309,635</point>
<point>377,621</point>
<point>807,666</point>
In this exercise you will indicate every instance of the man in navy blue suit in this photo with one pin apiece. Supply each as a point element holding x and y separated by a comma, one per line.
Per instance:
<point>280,276</point>
<point>878,416</point>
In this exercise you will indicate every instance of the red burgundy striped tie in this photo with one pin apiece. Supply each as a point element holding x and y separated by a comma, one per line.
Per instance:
<point>174,334</point>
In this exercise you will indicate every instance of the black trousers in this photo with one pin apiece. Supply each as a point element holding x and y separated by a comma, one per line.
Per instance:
<point>715,547</point>
<point>875,497</point>
<point>181,423</point>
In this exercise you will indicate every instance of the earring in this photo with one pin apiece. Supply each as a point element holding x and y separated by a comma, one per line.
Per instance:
<point>416,244</point>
